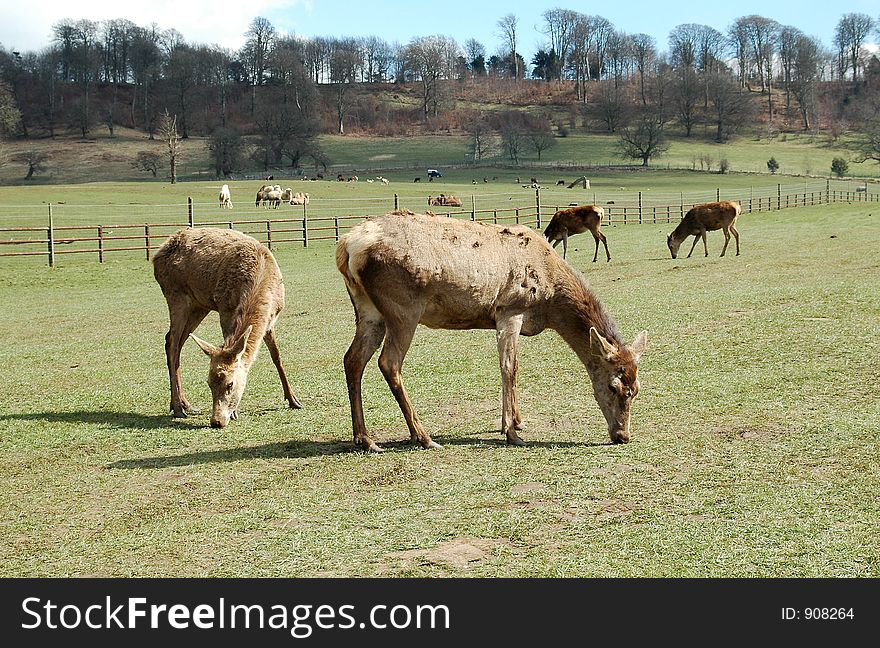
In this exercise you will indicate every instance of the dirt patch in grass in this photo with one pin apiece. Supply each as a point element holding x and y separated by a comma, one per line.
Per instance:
<point>459,553</point>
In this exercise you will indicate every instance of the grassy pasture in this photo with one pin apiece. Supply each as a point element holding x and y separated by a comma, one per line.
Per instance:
<point>754,452</point>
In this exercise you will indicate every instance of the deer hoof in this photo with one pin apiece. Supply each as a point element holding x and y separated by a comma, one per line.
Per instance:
<point>294,403</point>
<point>433,445</point>
<point>514,440</point>
<point>372,447</point>
<point>519,425</point>
<point>181,413</point>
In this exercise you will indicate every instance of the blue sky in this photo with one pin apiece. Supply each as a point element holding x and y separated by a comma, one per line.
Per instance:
<point>28,25</point>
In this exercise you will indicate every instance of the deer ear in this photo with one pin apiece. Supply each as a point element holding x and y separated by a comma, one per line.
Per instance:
<point>238,348</point>
<point>600,347</point>
<point>638,345</point>
<point>209,349</point>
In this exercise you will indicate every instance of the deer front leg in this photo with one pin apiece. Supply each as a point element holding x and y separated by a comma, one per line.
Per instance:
<point>507,332</point>
<point>289,396</point>
<point>705,245</point>
<point>736,236</point>
<point>726,241</point>
<point>564,243</point>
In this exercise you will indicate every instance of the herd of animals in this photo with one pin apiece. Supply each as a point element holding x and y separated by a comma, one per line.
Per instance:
<point>401,270</point>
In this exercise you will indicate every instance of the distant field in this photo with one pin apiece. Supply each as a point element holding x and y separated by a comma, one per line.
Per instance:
<point>74,161</point>
<point>754,452</point>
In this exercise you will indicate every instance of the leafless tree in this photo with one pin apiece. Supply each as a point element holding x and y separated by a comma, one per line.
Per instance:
<point>344,63</point>
<point>643,140</point>
<point>168,132</point>
<point>148,161</point>
<point>35,161</point>
<point>559,25</point>
<point>261,37</point>
<point>431,59</point>
<point>644,53</point>
<point>850,35</point>
<point>507,26</point>
<point>808,57</point>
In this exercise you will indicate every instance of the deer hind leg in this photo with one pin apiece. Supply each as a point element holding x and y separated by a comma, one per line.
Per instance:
<point>398,338</point>
<point>185,318</point>
<point>696,238</point>
<point>705,245</point>
<point>605,243</point>
<point>367,338</point>
<point>564,244</point>
<point>507,332</point>
<point>736,236</point>
<point>272,345</point>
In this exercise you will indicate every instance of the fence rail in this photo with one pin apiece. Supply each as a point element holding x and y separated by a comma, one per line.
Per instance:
<point>323,223</point>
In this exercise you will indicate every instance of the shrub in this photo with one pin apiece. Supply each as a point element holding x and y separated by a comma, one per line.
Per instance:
<point>839,167</point>
<point>773,165</point>
<point>723,165</point>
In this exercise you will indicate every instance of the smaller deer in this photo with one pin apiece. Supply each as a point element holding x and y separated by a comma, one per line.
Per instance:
<point>205,269</point>
<point>577,220</point>
<point>706,218</point>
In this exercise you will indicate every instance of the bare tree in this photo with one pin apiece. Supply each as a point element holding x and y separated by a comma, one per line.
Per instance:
<point>849,38</point>
<point>432,59</point>
<point>731,106</point>
<point>35,161</point>
<point>507,27</point>
<point>168,132</point>
<point>344,63</point>
<point>645,53</point>
<point>643,140</point>
<point>148,161</point>
<point>261,37</point>
<point>476,57</point>
<point>807,61</point>
<point>559,25</point>
<point>482,138</point>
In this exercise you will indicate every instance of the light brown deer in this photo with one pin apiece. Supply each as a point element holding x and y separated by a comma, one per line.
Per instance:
<point>577,220</point>
<point>406,269</point>
<point>200,270</point>
<point>706,218</point>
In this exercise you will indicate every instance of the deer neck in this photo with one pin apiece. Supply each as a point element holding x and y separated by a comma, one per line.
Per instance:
<point>575,311</point>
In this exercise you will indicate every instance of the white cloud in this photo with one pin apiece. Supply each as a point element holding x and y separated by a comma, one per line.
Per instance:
<point>27,26</point>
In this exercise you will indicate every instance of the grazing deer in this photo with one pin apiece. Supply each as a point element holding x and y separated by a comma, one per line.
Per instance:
<point>577,220</point>
<point>706,218</point>
<point>207,269</point>
<point>406,269</point>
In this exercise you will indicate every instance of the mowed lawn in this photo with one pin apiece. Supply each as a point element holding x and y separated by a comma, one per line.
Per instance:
<point>754,444</point>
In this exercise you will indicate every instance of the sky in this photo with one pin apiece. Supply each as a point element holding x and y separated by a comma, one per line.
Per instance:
<point>27,26</point>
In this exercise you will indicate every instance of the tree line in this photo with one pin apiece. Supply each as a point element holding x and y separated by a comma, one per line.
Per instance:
<point>282,90</point>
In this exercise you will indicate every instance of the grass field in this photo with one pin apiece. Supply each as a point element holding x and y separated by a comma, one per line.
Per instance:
<point>754,451</point>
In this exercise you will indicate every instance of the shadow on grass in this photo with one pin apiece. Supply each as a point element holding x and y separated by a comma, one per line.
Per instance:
<point>278,450</point>
<point>127,420</point>
<point>303,449</point>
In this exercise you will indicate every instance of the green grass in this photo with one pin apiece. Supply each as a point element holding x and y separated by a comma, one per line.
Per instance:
<point>754,448</point>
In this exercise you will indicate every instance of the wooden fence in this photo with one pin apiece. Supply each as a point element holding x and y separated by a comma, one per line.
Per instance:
<point>311,225</point>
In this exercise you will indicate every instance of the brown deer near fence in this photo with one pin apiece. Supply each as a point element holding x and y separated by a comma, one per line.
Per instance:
<point>200,270</point>
<point>404,269</point>
<point>577,220</point>
<point>706,218</point>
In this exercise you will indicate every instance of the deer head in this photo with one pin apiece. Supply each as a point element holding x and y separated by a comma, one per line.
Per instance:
<point>227,377</point>
<point>673,244</point>
<point>614,374</point>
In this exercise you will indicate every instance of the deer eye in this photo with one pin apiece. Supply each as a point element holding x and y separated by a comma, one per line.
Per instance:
<point>229,387</point>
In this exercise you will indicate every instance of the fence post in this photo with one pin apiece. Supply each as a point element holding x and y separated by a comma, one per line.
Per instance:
<point>189,212</point>
<point>751,195</point>
<point>640,208</point>
<point>336,226</point>
<point>681,205</point>
<point>718,194</point>
<point>396,202</point>
<point>147,240</point>
<point>100,244</point>
<point>51,230</point>
<point>778,196</point>
<point>827,191</point>
<point>305,226</point>
<point>269,233</point>
<point>473,207</point>
<point>537,208</point>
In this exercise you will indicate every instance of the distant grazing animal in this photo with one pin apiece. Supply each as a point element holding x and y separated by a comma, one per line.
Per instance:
<point>340,178</point>
<point>320,176</point>
<point>474,181</point>
<point>533,181</point>
<point>299,198</point>
<point>269,177</point>
<point>384,181</point>
<point>560,183</point>
<point>269,197</point>
<point>353,178</point>
<point>205,269</point>
<point>435,201</point>
<point>370,181</point>
<point>406,269</point>
<point>451,201</point>
<point>225,197</point>
<point>417,179</point>
<point>706,218</point>
<point>577,220</point>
